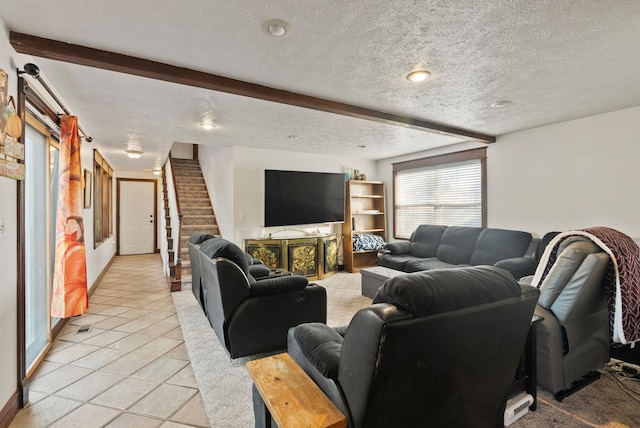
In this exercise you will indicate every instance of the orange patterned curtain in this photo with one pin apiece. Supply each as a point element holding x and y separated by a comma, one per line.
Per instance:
<point>70,271</point>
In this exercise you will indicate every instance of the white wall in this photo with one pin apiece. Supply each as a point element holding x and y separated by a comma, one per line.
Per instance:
<point>97,258</point>
<point>569,175</point>
<point>8,259</point>
<point>216,164</point>
<point>8,288</point>
<point>182,151</point>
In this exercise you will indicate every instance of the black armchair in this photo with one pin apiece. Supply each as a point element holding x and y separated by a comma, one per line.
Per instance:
<point>437,348</point>
<point>249,316</point>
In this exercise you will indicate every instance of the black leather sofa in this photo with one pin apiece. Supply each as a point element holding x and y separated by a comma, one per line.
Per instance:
<point>249,316</point>
<point>438,247</point>
<point>435,349</point>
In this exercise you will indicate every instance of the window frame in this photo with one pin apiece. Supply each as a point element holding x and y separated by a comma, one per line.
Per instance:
<point>442,160</point>
<point>51,140</point>
<point>102,199</point>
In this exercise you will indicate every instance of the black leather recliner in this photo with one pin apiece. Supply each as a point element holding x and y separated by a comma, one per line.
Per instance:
<point>249,316</point>
<point>437,348</point>
<point>573,338</point>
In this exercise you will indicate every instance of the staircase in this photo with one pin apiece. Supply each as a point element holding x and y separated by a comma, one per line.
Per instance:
<point>195,207</point>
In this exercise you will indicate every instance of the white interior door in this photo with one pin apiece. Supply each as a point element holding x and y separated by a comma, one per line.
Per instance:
<point>136,217</point>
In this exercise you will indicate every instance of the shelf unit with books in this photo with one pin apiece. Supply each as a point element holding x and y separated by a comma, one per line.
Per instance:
<point>364,214</point>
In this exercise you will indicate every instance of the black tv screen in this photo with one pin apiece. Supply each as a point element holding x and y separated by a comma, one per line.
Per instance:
<point>296,197</point>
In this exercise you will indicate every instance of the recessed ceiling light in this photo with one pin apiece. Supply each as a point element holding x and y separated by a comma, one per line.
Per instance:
<point>157,171</point>
<point>276,27</point>
<point>501,103</point>
<point>207,125</point>
<point>418,75</point>
<point>134,154</point>
<point>277,30</point>
<point>292,137</point>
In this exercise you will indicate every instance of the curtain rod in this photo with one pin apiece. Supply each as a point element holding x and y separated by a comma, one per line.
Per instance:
<point>87,138</point>
<point>33,71</point>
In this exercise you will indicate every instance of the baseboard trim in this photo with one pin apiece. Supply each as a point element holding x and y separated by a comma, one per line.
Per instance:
<point>101,276</point>
<point>10,410</point>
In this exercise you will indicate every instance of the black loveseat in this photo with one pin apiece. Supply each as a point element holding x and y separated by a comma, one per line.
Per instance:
<point>438,247</point>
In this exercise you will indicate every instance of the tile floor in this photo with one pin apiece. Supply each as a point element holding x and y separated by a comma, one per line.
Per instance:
<point>131,369</point>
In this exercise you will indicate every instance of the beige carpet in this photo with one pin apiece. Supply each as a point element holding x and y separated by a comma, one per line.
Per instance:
<point>225,385</point>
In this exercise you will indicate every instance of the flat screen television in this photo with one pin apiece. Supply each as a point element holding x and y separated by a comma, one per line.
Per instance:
<point>297,197</point>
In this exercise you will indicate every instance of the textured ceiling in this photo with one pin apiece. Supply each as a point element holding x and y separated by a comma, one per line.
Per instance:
<point>555,60</point>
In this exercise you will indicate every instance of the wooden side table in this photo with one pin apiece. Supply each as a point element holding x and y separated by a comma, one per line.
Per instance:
<point>291,397</point>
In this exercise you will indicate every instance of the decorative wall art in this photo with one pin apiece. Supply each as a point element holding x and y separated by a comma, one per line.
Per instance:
<point>12,170</point>
<point>11,150</point>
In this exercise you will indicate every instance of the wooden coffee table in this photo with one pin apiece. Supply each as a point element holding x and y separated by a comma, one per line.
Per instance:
<point>374,277</point>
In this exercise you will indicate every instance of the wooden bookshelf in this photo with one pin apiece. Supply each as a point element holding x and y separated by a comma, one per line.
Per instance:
<point>364,214</point>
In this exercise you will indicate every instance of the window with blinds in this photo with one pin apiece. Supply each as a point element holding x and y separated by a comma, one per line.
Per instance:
<point>447,190</point>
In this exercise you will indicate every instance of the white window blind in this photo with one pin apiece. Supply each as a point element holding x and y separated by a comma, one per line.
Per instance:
<point>450,194</point>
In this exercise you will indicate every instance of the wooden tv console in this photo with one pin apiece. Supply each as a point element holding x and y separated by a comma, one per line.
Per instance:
<point>315,257</point>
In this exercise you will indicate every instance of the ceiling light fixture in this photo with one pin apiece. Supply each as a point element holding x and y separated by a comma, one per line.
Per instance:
<point>134,154</point>
<point>277,30</point>
<point>157,171</point>
<point>207,125</point>
<point>276,27</point>
<point>501,104</point>
<point>418,75</point>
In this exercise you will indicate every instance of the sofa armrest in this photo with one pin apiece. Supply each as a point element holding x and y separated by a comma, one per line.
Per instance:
<point>526,280</point>
<point>320,345</point>
<point>278,285</point>
<point>383,251</point>
<point>402,247</point>
<point>518,266</point>
<point>259,271</point>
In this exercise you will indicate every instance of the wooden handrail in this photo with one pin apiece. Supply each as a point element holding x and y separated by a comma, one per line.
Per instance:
<point>175,187</point>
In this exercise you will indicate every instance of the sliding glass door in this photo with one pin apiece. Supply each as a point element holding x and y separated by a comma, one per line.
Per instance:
<point>41,159</point>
